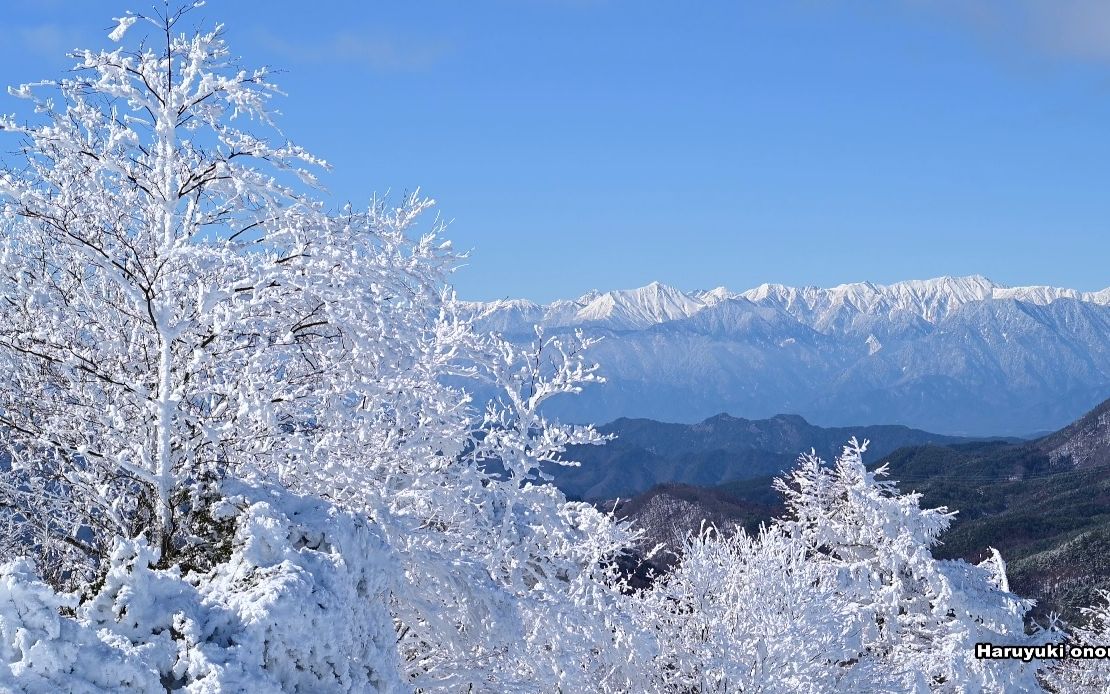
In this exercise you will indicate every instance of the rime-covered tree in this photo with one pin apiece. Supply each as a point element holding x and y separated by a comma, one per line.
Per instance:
<point>919,617</point>
<point>744,613</point>
<point>841,595</point>
<point>155,325</point>
<point>178,312</point>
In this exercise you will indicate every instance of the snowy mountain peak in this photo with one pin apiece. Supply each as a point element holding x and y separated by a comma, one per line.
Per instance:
<point>639,308</point>
<point>710,297</point>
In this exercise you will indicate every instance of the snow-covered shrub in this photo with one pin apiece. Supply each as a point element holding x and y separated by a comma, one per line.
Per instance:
<point>920,617</point>
<point>301,604</point>
<point>1085,675</point>
<point>842,595</point>
<point>749,614</point>
<point>44,652</point>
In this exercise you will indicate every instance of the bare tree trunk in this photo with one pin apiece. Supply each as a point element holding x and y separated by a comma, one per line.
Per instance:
<point>164,316</point>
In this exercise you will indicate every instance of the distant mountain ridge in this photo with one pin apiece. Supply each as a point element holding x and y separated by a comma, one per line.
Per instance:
<point>630,309</point>
<point>958,355</point>
<point>719,449</point>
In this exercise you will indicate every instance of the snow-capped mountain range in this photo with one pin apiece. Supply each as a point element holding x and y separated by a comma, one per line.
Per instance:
<point>960,355</point>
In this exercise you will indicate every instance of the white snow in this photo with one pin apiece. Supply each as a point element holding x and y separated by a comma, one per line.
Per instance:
<point>873,345</point>
<point>123,24</point>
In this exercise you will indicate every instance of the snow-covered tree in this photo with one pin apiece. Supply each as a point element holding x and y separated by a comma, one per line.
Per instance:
<point>155,329</point>
<point>749,614</point>
<point>179,313</point>
<point>920,618</point>
<point>843,594</point>
<point>511,587</point>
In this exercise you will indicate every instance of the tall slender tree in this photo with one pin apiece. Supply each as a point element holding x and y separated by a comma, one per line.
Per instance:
<point>149,253</point>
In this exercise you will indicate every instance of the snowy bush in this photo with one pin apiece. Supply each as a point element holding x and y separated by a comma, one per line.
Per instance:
<point>842,595</point>
<point>302,604</point>
<point>751,614</point>
<point>42,651</point>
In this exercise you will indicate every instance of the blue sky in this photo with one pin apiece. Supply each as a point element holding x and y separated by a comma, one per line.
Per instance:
<point>582,144</point>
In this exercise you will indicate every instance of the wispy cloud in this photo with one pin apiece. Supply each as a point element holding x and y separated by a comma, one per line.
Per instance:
<point>1062,29</point>
<point>381,54</point>
<point>1076,28</point>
